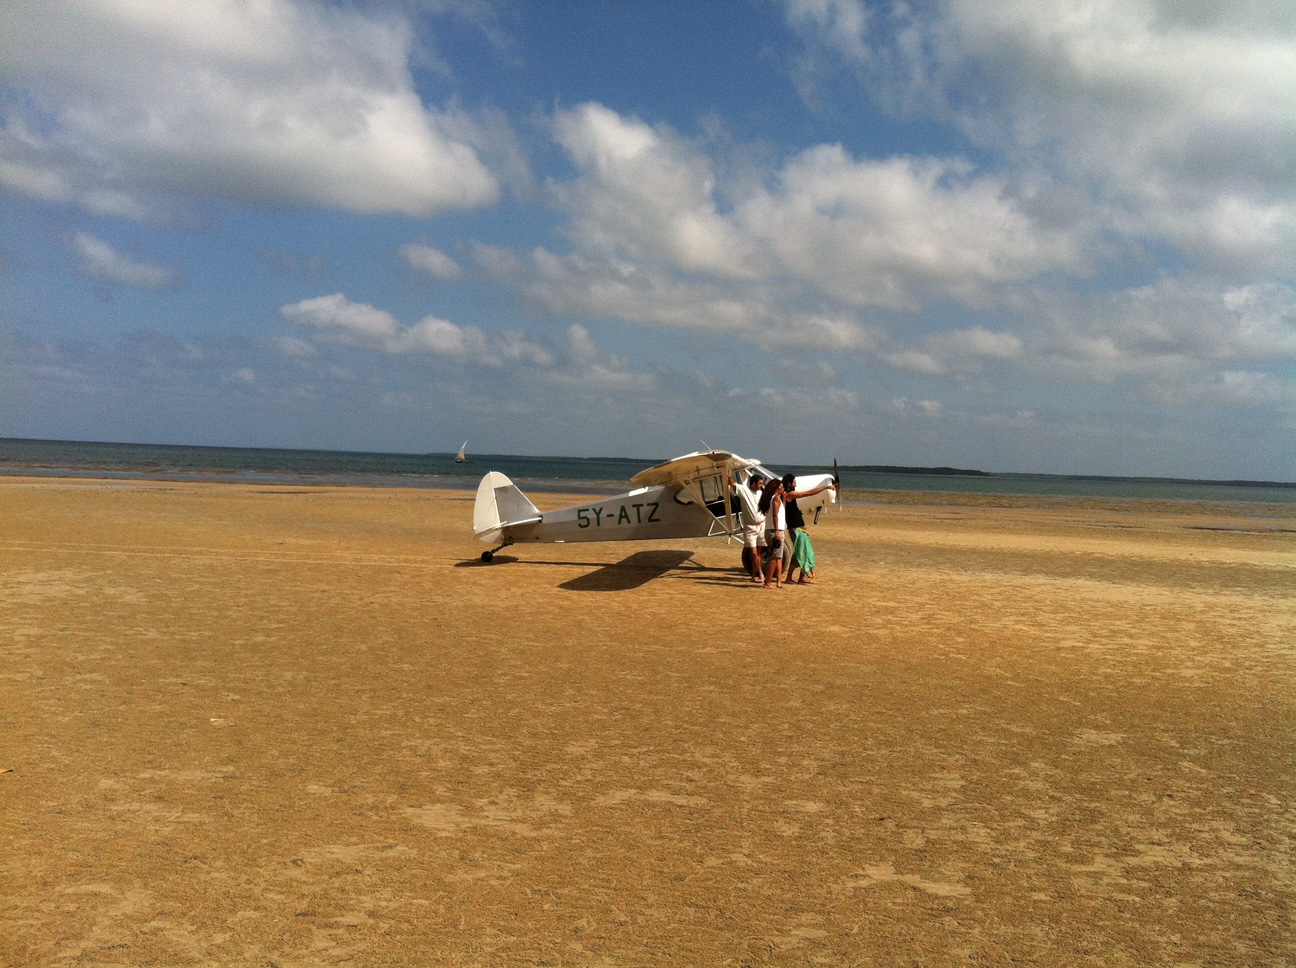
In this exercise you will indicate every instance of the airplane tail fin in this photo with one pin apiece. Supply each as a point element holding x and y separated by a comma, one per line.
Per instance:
<point>500,505</point>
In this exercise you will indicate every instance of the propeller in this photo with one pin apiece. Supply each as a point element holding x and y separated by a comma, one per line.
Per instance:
<point>836,492</point>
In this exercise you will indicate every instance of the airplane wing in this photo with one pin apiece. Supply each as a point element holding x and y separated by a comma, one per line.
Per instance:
<point>701,478</point>
<point>691,467</point>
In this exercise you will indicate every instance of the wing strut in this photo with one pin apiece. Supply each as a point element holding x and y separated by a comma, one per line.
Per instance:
<point>726,494</point>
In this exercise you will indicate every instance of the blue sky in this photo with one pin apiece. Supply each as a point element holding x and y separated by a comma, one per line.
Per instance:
<point>1000,234</point>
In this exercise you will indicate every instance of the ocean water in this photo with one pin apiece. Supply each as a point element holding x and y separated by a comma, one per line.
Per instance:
<point>562,474</point>
<point>263,465</point>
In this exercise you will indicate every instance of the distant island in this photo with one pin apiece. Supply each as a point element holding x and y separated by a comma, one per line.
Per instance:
<point>939,471</point>
<point>1018,475</point>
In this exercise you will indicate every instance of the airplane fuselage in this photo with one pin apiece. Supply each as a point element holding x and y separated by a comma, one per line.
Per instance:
<point>640,515</point>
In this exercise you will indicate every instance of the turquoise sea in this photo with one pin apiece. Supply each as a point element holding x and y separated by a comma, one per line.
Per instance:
<point>563,474</point>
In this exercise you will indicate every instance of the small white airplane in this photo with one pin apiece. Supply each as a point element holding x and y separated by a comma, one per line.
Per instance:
<point>688,497</point>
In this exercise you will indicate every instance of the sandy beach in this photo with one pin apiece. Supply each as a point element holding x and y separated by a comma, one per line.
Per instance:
<point>255,725</point>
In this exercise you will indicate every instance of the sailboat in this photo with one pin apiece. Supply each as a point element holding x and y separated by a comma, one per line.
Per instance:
<point>461,458</point>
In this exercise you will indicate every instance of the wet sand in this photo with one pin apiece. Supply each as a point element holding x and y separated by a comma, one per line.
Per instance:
<point>257,725</point>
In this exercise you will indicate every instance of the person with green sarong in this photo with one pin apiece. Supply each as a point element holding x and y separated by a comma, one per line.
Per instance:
<point>800,553</point>
<point>803,557</point>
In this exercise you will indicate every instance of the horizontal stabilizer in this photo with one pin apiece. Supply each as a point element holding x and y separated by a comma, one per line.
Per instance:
<point>500,505</point>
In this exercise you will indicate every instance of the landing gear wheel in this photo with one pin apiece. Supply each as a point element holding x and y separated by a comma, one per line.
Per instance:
<point>489,556</point>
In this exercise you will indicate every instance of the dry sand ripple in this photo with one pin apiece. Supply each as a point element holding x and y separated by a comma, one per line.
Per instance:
<point>269,726</point>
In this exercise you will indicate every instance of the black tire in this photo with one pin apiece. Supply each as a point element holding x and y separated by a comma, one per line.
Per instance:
<point>488,556</point>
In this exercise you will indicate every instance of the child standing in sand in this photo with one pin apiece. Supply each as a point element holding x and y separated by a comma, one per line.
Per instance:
<point>772,504</point>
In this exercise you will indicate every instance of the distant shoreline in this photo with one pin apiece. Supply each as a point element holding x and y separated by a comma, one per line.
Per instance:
<point>45,458</point>
<point>938,471</point>
<point>1017,475</point>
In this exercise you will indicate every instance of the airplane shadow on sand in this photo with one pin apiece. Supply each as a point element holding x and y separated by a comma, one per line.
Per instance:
<point>633,572</point>
<point>639,569</point>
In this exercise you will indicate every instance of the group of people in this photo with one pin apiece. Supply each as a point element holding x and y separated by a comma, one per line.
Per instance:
<point>776,544</point>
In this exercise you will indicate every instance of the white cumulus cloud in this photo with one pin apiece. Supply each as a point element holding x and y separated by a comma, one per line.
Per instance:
<point>658,241</point>
<point>103,261</point>
<point>336,319</point>
<point>272,102</point>
<point>1178,117</point>
<point>645,194</point>
<point>899,232</point>
<point>432,261</point>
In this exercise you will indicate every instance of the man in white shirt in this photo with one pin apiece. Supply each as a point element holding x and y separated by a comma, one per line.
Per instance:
<point>753,524</point>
